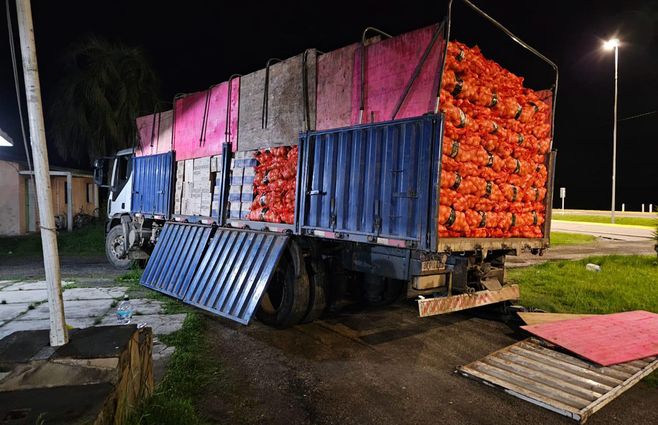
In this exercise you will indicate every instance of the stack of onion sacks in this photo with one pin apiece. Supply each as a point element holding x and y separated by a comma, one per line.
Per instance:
<point>496,137</point>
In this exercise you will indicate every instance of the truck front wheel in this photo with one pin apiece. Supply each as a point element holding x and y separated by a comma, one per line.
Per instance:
<point>114,249</point>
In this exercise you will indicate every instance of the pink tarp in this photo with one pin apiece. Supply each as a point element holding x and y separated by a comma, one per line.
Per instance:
<point>154,133</point>
<point>606,339</point>
<point>195,139</point>
<point>390,65</point>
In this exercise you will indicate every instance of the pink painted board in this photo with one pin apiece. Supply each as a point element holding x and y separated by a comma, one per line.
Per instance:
<point>390,64</point>
<point>334,89</point>
<point>154,133</point>
<point>607,339</point>
<point>189,142</point>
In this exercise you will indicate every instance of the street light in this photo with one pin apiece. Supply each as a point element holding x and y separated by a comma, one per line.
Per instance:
<point>611,44</point>
<point>5,140</point>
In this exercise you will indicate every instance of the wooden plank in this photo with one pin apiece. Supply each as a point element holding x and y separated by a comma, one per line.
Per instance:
<point>607,398</point>
<point>557,381</point>
<point>607,339</point>
<point>521,392</point>
<point>538,318</point>
<point>560,385</point>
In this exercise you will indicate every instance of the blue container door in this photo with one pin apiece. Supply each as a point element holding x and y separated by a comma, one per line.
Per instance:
<point>373,183</point>
<point>152,180</point>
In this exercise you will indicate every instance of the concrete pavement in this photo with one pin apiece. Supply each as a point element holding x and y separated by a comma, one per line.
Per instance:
<point>623,232</point>
<point>24,306</point>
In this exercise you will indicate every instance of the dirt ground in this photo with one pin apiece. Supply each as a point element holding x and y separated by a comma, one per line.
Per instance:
<point>384,366</point>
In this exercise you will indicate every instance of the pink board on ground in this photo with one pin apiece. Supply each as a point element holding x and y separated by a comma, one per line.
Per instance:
<point>607,339</point>
<point>154,133</point>
<point>390,65</point>
<point>194,138</point>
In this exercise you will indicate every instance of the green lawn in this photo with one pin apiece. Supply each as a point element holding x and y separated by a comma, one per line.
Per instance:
<point>560,238</point>
<point>90,240</point>
<point>637,221</point>
<point>624,283</point>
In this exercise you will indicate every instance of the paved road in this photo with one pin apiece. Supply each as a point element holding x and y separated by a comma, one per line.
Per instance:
<point>610,231</point>
<point>635,214</point>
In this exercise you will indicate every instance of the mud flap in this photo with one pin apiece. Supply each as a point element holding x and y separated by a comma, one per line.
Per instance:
<point>226,276</point>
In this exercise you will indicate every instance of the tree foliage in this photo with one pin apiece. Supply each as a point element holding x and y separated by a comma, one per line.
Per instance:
<point>104,88</point>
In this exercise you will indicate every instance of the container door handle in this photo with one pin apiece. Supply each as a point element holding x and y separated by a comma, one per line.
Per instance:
<point>316,192</point>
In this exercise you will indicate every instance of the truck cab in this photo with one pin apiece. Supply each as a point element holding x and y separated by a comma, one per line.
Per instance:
<point>124,243</point>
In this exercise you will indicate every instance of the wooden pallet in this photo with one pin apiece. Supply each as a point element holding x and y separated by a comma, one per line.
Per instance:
<point>557,381</point>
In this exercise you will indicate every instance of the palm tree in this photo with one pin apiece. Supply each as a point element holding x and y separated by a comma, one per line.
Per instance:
<point>106,86</point>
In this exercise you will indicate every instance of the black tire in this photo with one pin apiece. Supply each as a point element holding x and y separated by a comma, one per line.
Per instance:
<point>380,291</point>
<point>114,249</point>
<point>317,275</point>
<point>286,300</point>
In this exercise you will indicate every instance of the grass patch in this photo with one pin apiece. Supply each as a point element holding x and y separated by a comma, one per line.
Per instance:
<point>190,371</point>
<point>130,280</point>
<point>624,283</point>
<point>636,221</point>
<point>560,238</point>
<point>89,240</point>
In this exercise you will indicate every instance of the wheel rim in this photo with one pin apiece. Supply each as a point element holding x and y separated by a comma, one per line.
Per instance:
<point>116,248</point>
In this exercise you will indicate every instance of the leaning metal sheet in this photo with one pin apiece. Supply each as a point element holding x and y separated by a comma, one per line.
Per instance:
<point>175,258</point>
<point>234,272</point>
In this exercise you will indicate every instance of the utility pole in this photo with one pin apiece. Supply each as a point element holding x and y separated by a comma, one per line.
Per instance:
<point>58,332</point>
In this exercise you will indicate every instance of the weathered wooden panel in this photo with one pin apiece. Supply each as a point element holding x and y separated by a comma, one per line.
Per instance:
<point>335,79</point>
<point>285,106</point>
<point>154,133</point>
<point>606,339</point>
<point>390,65</point>
<point>538,318</point>
<point>200,121</point>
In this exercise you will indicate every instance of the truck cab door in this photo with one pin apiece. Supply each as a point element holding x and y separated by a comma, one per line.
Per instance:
<point>120,186</point>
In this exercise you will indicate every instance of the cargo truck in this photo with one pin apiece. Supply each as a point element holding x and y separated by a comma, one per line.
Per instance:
<point>279,192</point>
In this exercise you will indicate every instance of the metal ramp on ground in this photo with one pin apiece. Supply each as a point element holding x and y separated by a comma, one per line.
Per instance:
<point>223,271</point>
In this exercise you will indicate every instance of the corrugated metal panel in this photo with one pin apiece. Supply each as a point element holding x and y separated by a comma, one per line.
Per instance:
<point>152,181</point>
<point>175,258</point>
<point>557,381</point>
<point>373,182</point>
<point>234,272</point>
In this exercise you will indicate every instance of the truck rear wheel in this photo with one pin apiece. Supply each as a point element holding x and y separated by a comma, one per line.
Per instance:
<point>286,301</point>
<point>317,276</point>
<point>114,250</point>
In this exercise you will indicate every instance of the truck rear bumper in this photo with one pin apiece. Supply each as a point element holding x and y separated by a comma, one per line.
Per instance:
<point>434,306</point>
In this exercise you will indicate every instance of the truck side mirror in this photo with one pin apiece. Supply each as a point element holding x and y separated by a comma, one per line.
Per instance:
<point>99,172</point>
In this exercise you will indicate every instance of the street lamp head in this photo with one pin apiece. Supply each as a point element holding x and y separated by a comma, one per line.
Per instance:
<point>5,140</point>
<point>611,44</point>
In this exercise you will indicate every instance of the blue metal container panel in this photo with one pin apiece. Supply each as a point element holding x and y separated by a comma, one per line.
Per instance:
<point>176,256</point>
<point>234,272</point>
<point>152,182</point>
<point>373,181</point>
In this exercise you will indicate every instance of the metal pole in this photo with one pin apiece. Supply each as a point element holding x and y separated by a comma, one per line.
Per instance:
<point>614,141</point>
<point>58,332</point>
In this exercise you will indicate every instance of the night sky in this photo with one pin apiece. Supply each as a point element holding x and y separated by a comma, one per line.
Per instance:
<point>196,43</point>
